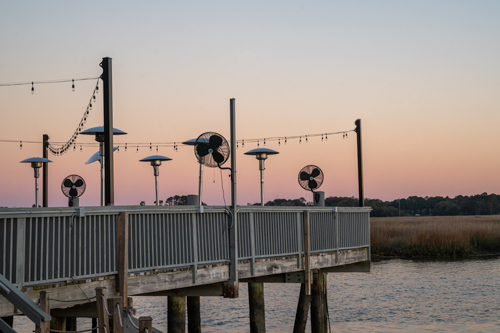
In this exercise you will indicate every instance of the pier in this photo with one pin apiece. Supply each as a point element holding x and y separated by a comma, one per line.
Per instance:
<point>175,251</point>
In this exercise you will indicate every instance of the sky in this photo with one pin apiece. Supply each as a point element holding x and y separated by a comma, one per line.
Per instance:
<point>423,77</point>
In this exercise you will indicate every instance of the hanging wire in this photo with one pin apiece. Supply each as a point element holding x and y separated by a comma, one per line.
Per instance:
<point>44,82</point>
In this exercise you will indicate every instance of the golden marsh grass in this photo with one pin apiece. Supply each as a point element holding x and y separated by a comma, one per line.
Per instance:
<point>429,236</point>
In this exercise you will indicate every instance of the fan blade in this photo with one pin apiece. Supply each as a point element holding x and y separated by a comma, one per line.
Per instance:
<point>79,183</point>
<point>73,192</point>
<point>304,175</point>
<point>215,141</point>
<point>68,183</point>
<point>218,157</point>
<point>315,173</point>
<point>202,149</point>
<point>312,184</point>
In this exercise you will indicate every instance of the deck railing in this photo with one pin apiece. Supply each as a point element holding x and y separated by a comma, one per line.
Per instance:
<point>54,245</point>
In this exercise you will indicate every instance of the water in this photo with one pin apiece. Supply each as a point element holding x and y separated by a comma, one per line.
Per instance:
<point>397,296</point>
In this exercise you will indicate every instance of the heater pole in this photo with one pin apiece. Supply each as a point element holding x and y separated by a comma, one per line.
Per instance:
<point>261,186</point>
<point>45,191</point>
<point>200,185</point>
<point>106,77</point>
<point>231,288</point>
<point>36,191</point>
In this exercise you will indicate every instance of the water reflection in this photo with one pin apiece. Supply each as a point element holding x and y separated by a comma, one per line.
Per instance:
<point>397,296</point>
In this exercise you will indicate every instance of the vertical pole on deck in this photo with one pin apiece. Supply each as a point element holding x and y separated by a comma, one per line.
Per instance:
<point>176,314</point>
<point>319,311</point>
<point>231,287</point>
<point>106,77</point>
<point>122,283</point>
<point>45,172</point>
<point>257,308</point>
<point>360,164</point>
<point>71,324</point>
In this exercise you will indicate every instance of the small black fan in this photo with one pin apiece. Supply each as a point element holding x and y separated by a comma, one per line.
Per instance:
<point>310,178</point>
<point>211,149</point>
<point>73,186</point>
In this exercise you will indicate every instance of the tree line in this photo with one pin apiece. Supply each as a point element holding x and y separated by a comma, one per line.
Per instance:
<point>480,204</point>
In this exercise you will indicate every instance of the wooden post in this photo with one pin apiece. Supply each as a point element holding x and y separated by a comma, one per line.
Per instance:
<point>145,323</point>
<point>194,317</point>
<point>257,308</point>
<point>319,316</point>
<point>122,283</point>
<point>176,314</point>
<point>45,306</point>
<point>307,254</point>
<point>102,315</point>
<point>302,311</point>
<point>117,314</point>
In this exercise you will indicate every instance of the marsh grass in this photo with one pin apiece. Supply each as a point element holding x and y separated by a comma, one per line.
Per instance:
<point>435,236</point>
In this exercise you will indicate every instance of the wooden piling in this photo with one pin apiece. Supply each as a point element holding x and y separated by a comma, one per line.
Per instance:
<point>145,325</point>
<point>176,314</point>
<point>71,324</point>
<point>58,323</point>
<point>319,314</point>
<point>117,314</point>
<point>45,306</point>
<point>194,317</point>
<point>102,315</point>
<point>257,307</point>
<point>302,311</point>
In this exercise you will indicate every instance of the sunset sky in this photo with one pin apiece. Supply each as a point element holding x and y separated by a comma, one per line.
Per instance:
<point>423,76</point>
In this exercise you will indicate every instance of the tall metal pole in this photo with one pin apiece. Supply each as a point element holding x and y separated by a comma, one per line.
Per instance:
<point>106,77</point>
<point>231,288</point>
<point>101,161</point>
<point>261,185</point>
<point>36,190</point>
<point>157,173</point>
<point>360,164</point>
<point>45,191</point>
<point>200,185</point>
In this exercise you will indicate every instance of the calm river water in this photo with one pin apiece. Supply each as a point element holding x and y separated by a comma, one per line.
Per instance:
<point>397,296</point>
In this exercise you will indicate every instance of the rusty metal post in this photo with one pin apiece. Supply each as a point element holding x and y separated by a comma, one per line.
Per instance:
<point>360,165</point>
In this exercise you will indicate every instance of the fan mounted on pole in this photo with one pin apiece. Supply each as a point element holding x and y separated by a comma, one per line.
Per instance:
<point>311,178</point>
<point>212,150</point>
<point>73,187</point>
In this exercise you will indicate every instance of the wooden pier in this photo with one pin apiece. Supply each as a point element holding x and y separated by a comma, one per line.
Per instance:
<point>176,251</point>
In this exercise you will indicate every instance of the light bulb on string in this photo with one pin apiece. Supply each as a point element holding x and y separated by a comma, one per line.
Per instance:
<point>237,145</point>
<point>125,147</point>
<point>81,149</point>
<point>306,139</point>
<point>96,89</point>
<point>32,88</point>
<point>300,140</point>
<point>150,147</point>
<point>258,143</point>
<point>264,141</point>
<point>93,97</point>
<point>285,139</point>
<point>90,106</point>
<point>279,142</point>
<point>157,149</point>
<point>73,85</point>
<point>137,149</point>
<point>242,143</point>
<point>321,137</point>
<point>21,145</point>
<point>326,137</point>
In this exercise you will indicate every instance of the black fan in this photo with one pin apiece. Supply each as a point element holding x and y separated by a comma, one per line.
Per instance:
<point>211,149</point>
<point>73,186</point>
<point>311,177</point>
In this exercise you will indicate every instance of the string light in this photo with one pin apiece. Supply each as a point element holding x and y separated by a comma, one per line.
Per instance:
<point>32,88</point>
<point>125,146</point>
<point>300,140</point>
<point>264,141</point>
<point>73,86</point>
<point>21,145</point>
<point>306,139</point>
